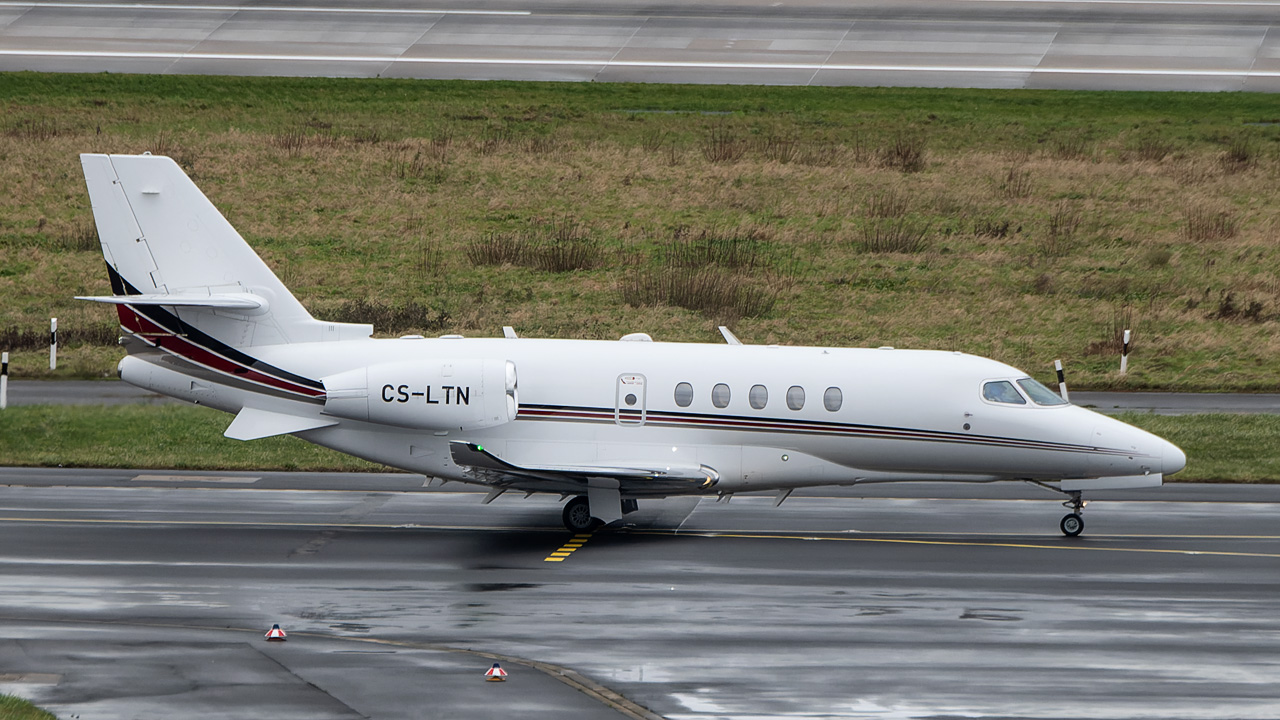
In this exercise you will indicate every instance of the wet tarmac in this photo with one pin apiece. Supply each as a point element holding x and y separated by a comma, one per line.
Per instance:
<point>1182,45</point>
<point>131,594</point>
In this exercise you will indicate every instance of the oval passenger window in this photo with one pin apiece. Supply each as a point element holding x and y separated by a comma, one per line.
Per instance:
<point>720,395</point>
<point>684,394</point>
<point>832,399</point>
<point>795,397</point>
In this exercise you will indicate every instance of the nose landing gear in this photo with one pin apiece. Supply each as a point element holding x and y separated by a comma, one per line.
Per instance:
<point>1073,523</point>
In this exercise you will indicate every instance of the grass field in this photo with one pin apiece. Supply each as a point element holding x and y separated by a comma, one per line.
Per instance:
<point>1237,448</point>
<point>14,708</point>
<point>1020,225</point>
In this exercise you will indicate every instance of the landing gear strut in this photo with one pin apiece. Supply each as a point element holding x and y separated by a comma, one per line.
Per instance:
<point>1073,523</point>
<point>577,515</point>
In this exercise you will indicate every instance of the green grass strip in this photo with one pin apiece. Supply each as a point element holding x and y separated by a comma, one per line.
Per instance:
<point>1220,448</point>
<point>15,708</point>
<point>132,436</point>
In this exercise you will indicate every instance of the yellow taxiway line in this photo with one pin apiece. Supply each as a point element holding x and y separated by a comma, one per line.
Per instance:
<point>566,550</point>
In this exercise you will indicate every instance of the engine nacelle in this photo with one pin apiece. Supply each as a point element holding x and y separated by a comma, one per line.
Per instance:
<point>430,394</point>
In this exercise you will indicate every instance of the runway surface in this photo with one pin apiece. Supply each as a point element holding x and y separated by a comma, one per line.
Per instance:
<point>1210,45</point>
<point>140,594</point>
<point>112,392</point>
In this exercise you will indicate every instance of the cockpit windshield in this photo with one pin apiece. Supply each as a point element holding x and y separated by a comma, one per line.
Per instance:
<point>1002,391</point>
<point>1040,394</point>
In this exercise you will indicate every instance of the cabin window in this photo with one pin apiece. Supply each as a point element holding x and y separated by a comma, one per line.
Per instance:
<point>832,399</point>
<point>758,397</point>
<point>1040,394</point>
<point>795,397</point>
<point>1002,391</point>
<point>684,394</point>
<point>720,395</point>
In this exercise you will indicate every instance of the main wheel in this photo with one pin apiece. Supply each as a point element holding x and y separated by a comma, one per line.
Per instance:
<point>577,515</point>
<point>1072,525</point>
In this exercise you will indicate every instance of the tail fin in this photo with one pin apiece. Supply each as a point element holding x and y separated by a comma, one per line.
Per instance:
<point>178,266</point>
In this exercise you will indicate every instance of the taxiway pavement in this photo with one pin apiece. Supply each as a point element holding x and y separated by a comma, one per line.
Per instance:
<point>131,595</point>
<point>1207,45</point>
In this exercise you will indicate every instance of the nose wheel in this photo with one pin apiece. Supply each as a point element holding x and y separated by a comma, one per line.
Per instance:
<point>1073,522</point>
<point>1072,525</point>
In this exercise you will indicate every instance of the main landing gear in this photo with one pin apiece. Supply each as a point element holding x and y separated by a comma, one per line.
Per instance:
<point>1073,522</point>
<point>577,515</point>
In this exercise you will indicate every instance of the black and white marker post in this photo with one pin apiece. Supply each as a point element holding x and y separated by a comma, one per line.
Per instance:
<point>1124,354</point>
<point>1062,381</point>
<point>4,380</point>
<point>53,343</point>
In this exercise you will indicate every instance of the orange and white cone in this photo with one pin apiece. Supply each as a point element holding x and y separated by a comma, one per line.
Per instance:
<point>276,634</point>
<point>495,674</point>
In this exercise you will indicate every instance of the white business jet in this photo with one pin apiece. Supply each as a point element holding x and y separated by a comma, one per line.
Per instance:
<point>602,423</point>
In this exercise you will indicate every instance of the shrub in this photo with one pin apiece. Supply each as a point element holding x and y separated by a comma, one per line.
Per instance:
<point>716,293</point>
<point>886,203</point>
<point>723,145</point>
<point>1016,183</point>
<point>1203,224</point>
<point>905,152</point>
<point>901,235</point>
<point>559,246</point>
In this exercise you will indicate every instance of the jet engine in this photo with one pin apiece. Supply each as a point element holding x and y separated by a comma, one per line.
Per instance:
<point>431,395</point>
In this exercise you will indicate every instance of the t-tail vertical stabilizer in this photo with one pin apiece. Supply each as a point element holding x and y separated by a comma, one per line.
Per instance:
<point>179,269</point>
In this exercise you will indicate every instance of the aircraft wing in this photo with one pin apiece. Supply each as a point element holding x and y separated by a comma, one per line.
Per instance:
<point>633,478</point>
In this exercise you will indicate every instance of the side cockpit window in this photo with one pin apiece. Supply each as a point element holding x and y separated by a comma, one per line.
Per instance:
<point>1002,391</point>
<point>1038,393</point>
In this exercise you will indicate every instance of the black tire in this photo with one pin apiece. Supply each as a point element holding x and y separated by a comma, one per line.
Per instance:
<point>577,515</point>
<point>1072,525</point>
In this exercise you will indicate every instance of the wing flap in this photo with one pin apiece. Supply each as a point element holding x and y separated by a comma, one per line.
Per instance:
<point>494,469</point>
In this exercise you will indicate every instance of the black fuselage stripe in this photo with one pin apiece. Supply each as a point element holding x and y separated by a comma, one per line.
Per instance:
<point>165,319</point>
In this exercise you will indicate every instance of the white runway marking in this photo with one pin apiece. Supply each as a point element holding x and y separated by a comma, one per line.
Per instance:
<point>1150,72</point>
<point>262,8</point>
<point>197,478</point>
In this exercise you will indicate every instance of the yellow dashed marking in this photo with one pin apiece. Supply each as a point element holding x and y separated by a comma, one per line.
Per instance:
<point>567,549</point>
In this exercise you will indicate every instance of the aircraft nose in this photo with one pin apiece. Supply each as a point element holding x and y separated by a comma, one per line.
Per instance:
<point>1172,459</point>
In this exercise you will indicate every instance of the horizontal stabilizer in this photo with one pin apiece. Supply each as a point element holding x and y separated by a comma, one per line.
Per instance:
<point>1116,482</point>
<point>252,424</point>
<point>231,301</point>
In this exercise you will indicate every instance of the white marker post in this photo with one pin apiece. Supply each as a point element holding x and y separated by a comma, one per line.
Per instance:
<point>1124,354</point>
<point>1062,381</point>
<point>4,380</point>
<point>53,343</point>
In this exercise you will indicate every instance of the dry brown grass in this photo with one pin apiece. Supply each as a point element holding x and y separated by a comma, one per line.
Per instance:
<point>1050,242</point>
